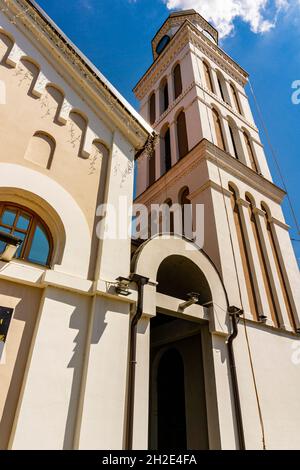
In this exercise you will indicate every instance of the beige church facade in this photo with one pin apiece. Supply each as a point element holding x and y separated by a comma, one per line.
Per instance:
<point>109,342</point>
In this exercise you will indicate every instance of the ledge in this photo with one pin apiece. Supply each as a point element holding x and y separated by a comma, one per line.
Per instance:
<point>205,151</point>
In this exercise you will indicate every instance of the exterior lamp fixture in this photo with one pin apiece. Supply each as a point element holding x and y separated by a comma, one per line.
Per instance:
<point>193,299</point>
<point>122,287</point>
<point>263,318</point>
<point>235,311</point>
<point>12,244</point>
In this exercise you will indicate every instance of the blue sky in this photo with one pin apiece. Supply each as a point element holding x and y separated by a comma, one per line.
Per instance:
<point>263,36</point>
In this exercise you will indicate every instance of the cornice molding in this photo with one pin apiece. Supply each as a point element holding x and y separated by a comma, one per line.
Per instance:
<point>224,105</point>
<point>243,203</point>
<point>173,105</point>
<point>202,100</point>
<point>280,224</point>
<point>205,151</point>
<point>210,185</point>
<point>243,172</point>
<point>259,212</point>
<point>219,57</point>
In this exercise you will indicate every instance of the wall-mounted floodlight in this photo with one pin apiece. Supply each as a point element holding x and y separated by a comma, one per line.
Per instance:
<point>263,318</point>
<point>12,244</point>
<point>122,287</point>
<point>193,299</point>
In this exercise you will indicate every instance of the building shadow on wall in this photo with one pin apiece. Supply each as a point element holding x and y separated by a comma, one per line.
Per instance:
<point>27,316</point>
<point>77,362</point>
<point>99,201</point>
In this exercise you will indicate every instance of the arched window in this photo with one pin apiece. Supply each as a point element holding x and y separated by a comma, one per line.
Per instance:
<point>263,263</point>
<point>164,96</point>
<point>253,303</point>
<point>222,87</point>
<point>184,197</point>
<point>232,133</point>
<point>166,151</point>
<point>250,152</point>
<point>37,243</point>
<point>152,166</point>
<point>235,99</point>
<point>219,131</point>
<point>279,268</point>
<point>208,78</point>
<point>182,139</point>
<point>177,81</point>
<point>152,109</point>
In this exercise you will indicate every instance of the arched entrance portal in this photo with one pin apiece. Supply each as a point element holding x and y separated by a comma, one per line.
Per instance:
<point>178,277</point>
<point>177,346</point>
<point>178,416</point>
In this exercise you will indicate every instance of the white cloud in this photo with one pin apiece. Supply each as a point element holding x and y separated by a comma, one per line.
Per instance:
<point>261,15</point>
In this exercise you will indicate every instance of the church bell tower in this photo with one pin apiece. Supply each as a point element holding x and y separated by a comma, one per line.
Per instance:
<point>209,152</point>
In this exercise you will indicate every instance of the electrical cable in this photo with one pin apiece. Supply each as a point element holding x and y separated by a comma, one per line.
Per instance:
<point>276,160</point>
<point>235,265</point>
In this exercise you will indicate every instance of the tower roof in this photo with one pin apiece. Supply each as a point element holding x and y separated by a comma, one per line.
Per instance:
<point>183,13</point>
<point>174,21</point>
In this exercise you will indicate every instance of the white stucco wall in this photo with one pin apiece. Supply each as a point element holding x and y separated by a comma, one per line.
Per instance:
<point>276,361</point>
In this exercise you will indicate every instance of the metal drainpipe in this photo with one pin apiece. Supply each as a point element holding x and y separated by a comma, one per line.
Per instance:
<point>234,314</point>
<point>141,281</point>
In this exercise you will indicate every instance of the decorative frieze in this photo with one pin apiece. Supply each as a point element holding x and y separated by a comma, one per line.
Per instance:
<point>22,14</point>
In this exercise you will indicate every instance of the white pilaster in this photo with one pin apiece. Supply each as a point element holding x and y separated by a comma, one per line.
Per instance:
<point>103,415</point>
<point>290,268</point>
<point>170,88</point>
<point>271,268</point>
<point>174,144</point>
<point>157,103</point>
<point>194,124</point>
<point>246,109</point>
<point>141,398</point>
<point>257,277</point>
<point>115,244</point>
<point>214,78</point>
<point>239,263</point>
<point>227,136</point>
<point>227,94</point>
<point>243,154</point>
<point>48,405</point>
<point>261,160</point>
